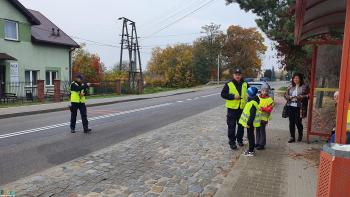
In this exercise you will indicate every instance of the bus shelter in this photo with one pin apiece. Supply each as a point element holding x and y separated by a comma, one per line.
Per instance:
<point>327,22</point>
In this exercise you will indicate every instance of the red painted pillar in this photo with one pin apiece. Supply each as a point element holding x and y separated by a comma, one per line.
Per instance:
<point>41,90</point>
<point>57,91</point>
<point>344,81</point>
<point>312,92</point>
<point>118,87</point>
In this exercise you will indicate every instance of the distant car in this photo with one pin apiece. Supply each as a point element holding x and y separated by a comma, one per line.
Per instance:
<point>264,79</point>
<point>259,84</point>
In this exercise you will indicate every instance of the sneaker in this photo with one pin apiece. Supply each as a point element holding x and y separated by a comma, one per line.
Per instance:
<point>87,130</point>
<point>291,140</point>
<point>233,146</point>
<point>72,131</point>
<point>249,154</point>
<point>240,144</point>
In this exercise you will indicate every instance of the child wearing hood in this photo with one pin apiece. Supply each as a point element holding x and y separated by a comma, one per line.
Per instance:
<point>266,106</point>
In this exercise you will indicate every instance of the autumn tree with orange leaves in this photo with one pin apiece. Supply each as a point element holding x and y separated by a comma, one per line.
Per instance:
<point>89,65</point>
<point>243,49</point>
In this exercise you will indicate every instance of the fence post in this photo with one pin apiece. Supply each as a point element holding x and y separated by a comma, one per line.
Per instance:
<point>139,86</point>
<point>118,87</point>
<point>57,91</point>
<point>41,90</point>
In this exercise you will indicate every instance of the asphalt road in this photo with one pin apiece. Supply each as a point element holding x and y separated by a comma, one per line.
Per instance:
<point>34,143</point>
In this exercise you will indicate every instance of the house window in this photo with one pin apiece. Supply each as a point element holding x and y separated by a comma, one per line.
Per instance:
<point>31,77</point>
<point>11,30</point>
<point>50,77</point>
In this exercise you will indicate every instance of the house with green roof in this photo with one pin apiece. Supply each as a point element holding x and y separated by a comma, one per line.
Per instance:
<point>31,48</point>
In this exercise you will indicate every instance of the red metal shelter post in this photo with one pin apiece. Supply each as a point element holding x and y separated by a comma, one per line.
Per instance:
<point>312,91</point>
<point>344,88</point>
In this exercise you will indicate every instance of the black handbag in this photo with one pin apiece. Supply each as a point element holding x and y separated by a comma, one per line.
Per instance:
<point>285,111</point>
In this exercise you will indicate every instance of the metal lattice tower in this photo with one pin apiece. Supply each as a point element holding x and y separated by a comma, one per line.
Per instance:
<point>129,42</point>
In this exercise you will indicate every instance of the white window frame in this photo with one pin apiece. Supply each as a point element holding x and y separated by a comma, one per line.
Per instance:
<point>31,78</point>
<point>51,84</point>
<point>17,31</point>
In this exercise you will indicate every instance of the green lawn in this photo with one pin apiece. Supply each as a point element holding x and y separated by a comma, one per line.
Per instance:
<point>151,90</point>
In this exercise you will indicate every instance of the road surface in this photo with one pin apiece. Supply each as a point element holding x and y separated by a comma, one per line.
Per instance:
<point>34,143</point>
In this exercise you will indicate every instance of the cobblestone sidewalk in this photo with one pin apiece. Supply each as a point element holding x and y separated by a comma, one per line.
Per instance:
<point>187,158</point>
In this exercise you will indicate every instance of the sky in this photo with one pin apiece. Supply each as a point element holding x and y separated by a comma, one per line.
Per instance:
<point>91,21</point>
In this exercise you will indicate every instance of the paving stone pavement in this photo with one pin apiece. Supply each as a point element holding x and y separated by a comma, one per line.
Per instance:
<point>187,158</point>
<point>281,169</point>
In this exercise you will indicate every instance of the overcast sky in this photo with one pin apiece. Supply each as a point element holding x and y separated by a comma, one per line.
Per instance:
<point>98,21</point>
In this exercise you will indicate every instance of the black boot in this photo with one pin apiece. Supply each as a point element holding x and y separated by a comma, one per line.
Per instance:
<point>233,146</point>
<point>300,138</point>
<point>87,130</point>
<point>291,140</point>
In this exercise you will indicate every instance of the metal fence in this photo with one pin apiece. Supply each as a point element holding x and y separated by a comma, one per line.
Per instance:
<point>19,89</point>
<point>110,87</point>
<point>26,91</point>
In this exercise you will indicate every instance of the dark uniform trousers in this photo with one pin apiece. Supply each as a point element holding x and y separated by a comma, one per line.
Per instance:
<point>83,113</point>
<point>233,116</point>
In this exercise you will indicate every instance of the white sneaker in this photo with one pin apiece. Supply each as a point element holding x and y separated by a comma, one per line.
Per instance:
<point>248,154</point>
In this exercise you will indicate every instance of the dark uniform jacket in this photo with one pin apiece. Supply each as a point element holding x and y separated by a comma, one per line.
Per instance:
<point>79,87</point>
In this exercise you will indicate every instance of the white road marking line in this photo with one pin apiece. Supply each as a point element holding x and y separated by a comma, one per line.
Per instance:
<point>90,119</point>
<point>180,101</point>
<point>189,99</point>
<point>210,95</point>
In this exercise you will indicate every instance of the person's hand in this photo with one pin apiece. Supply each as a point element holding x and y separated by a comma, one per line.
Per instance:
<point>237,97</point>
<point>88,84</point>
<point>82,94</point>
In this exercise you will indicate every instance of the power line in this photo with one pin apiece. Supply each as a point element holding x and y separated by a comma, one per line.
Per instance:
<point>183,17</point>
<point>160,16</point>
<point>172,35</point>
<point>184,9</point>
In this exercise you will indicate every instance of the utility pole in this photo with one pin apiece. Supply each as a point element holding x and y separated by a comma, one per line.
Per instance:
<point>129,41</point>
<point>219,69</point>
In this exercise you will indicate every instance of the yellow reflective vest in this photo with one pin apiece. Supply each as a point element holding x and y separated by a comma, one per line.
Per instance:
<point>265,102</point>
<point>75,96</point>
<point>235,104</point>
<point>246,114</point>
<point>348,125</point>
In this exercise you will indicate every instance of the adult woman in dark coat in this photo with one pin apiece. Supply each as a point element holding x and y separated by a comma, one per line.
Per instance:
<point>297,97</point>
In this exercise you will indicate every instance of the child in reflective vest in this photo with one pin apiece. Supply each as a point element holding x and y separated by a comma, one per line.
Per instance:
<point>266,106</point>
<point>251,118</point>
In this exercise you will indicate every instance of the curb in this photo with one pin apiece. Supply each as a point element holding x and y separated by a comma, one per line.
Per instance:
<point>5,116</point>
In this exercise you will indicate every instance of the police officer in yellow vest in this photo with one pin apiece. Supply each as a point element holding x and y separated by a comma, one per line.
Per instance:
<point>78,91</point>
<point>235,94</point>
